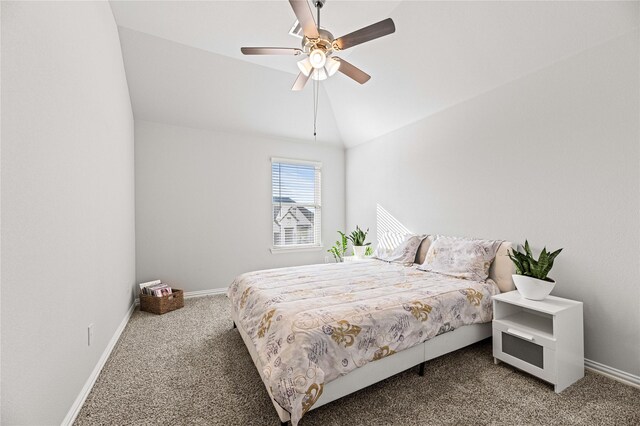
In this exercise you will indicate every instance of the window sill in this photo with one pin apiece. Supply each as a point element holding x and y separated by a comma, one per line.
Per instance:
<point>281,250</point>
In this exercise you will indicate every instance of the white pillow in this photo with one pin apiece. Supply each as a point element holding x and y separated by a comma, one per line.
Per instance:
<point>461,257</point>
<point>405,252</point>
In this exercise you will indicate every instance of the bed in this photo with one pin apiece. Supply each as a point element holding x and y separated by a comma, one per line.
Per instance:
<point>319,332</point>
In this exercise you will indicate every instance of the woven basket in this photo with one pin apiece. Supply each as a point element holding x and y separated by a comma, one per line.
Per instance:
<point>164,304</point>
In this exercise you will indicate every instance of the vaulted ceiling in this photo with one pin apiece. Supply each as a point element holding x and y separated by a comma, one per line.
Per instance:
<point>184,65</point>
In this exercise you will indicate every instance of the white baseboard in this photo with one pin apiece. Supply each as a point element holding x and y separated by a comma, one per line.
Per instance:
<point>614,373</point>
<point>199,293</point>
<point>84,393</point>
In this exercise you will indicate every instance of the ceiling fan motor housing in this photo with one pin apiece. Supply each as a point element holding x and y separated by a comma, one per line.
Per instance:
<point>324,42</point>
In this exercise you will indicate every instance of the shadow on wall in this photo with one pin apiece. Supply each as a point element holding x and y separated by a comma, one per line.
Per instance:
<point>387,223</point>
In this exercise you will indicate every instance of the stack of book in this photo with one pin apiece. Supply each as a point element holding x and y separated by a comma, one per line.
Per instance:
<point>155,288</point>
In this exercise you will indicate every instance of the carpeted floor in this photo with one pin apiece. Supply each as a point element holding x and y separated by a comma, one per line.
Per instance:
<point>189,367</point>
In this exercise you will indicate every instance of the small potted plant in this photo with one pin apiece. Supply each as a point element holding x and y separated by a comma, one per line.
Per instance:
<point>339,248</point>
<point>358,238</point>
<point>531,278</point>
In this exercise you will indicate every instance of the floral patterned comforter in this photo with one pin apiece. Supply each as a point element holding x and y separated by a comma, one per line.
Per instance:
<point>313,324</point>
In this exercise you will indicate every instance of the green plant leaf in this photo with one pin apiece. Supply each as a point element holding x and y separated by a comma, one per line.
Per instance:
<point>553,255</point>
<point>527,249</point>
<point>543,263</point>
<point>516,261</point>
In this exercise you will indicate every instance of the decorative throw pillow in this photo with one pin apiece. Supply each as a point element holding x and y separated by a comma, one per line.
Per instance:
<point>405,252</point>
<point>461,257</point>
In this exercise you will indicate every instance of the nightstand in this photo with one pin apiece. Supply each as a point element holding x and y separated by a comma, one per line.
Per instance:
<point>541,337</point>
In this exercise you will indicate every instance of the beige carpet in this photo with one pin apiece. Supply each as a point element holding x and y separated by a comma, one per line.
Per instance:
<point>189,367</point>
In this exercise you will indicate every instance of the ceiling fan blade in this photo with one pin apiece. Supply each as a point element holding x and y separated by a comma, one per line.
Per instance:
<point>300,82</point>
<point>305,17</point>
<point>270,51</point>
<point>372,32</point>
<point>352,71</point>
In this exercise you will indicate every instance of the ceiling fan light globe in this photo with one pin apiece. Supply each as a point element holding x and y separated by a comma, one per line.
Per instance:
<point>319,74</point>
<point>305,67</point>
<point>317,58</point>
<point>332,66</point>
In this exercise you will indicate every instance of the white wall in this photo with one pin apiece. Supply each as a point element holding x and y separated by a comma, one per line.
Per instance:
<point>68,244</point>
<point>552,157</point>
<point>203,203</point>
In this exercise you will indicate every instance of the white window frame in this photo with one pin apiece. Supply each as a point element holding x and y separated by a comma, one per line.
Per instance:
<point>317,245</point>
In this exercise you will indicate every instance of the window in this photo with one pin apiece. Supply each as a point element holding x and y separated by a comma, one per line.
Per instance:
<point>295,189</point>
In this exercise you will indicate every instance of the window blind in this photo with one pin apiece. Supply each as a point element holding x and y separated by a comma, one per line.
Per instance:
<point>295,188</point>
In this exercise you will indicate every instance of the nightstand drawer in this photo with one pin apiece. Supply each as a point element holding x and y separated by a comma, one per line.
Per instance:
<point>526,333</point>
<point>519,350</point>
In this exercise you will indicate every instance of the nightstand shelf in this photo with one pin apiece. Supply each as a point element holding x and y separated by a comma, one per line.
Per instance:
<point>531,323</point>
<point>541,337</point>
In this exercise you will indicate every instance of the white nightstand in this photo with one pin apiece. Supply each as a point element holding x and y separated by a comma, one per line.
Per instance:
<point>541,337</point>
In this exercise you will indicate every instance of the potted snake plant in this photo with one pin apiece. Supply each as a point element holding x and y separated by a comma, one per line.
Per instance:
<point>531,277</point>
<point>358,238</point>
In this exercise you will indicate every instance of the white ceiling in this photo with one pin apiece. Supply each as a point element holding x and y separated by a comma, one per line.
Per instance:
<point>184,65</point>
<point>185,86</point>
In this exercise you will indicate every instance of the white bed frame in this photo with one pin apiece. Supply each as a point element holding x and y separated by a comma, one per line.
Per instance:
<point>373,372</point>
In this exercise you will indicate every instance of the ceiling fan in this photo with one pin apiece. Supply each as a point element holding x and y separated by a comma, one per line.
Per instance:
<point>319,45</point>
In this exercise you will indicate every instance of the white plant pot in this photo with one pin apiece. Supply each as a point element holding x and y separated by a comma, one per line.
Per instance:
<point>358,251</point>
<point>533,288</point>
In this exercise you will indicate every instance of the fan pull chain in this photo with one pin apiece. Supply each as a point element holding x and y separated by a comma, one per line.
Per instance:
<point>316,96</point>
